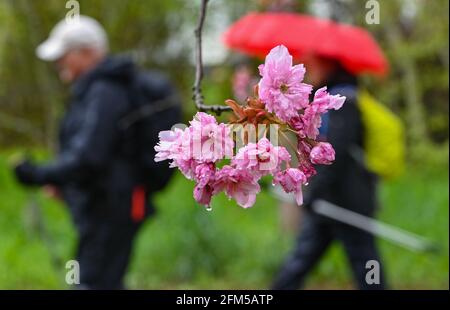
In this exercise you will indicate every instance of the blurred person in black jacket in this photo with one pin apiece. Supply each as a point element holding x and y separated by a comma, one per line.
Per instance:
<point>346,183</point>
<point>93,171</point>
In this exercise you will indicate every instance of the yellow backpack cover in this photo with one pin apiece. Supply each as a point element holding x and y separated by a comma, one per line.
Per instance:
<point>384,138</point>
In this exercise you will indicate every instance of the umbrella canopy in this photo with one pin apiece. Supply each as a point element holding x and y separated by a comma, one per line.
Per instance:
<point>257,33</point>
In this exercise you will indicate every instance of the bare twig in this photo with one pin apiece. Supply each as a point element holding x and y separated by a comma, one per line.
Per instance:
<point>198,96</point>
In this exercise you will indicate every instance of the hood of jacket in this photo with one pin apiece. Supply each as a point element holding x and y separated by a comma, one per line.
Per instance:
<point>120,69</point>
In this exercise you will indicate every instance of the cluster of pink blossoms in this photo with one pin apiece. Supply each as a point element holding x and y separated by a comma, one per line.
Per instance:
<point>284,100</point>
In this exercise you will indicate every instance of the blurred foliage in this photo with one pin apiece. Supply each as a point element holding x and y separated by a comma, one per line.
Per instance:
<point>30,91</point>
<point>416,42</point>
<point>158,34</point>
<point>186,247</point>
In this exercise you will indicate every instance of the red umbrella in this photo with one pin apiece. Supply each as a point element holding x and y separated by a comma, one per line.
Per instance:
<point>257,33</point>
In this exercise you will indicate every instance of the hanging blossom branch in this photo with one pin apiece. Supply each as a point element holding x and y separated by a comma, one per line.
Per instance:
<point>198,96</point>
<point>281,102</point>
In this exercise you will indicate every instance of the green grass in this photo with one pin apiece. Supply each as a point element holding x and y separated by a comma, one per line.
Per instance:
<point>186,247</point>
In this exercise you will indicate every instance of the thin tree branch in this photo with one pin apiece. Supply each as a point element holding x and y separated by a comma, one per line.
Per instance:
<point>198,96</point>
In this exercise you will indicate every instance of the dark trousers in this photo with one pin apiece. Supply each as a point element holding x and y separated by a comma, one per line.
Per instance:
<point>104,253</point>
<point>106,232</point>
<point>314,238</point>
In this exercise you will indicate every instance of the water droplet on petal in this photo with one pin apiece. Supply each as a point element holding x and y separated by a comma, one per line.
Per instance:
<point>306,184</point>
<point>208,208</point>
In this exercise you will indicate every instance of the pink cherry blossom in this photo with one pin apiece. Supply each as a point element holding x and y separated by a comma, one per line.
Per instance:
<point>202,119</point>
<point>261,158</point>
<point>203,194</point>
<point>322,102</point>
<point>303,147</point>
<point>168,142</point>
<point>291,180</point>
<point>307,168</point>
<point>197,150</point>
<point>323,98</point>
<point>297,124</point>
<point>322,153</point>
<point>241,185</point>
<point>203,141</point>
<point>186,166</point>
<point>171,146</point>
<point>281,88</point>
<point>209,141</point>
<point>205,173</point>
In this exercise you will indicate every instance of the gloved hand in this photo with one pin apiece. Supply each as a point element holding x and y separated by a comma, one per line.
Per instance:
<point>26,173</point>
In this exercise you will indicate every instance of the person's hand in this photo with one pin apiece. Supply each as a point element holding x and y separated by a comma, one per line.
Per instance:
<point>25,173</point>
<point>52,192</point>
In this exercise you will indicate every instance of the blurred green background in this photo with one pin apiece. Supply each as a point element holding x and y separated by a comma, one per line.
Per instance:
<point>185,246</point>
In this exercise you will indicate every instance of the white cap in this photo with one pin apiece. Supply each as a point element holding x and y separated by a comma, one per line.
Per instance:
<point>67,35</point>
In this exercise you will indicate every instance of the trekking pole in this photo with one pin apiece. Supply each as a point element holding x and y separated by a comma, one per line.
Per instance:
<point>394,234</point>
<point>391,233</point>
<point>37,225</point>
<point>33,216</point>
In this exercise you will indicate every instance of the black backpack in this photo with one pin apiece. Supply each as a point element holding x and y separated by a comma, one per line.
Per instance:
<point>155,106</point>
